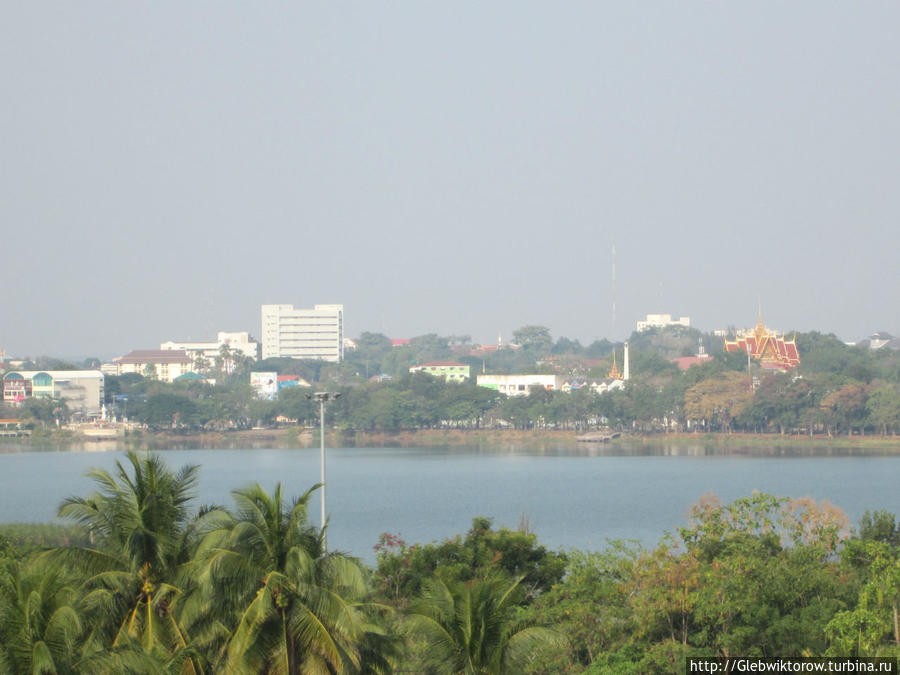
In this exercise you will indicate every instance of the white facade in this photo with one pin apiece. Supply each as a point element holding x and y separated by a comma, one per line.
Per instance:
<point>316,333</point>
<point>518,385</point>
<point>164,364</point>
<point>240,342</point>
<point>661,321</point>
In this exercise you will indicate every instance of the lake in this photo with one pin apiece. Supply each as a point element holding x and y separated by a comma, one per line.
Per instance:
<point>571,498</point>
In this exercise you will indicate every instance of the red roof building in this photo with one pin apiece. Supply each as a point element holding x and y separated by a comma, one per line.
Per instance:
<point>685,362</point>
<point>772,352</point>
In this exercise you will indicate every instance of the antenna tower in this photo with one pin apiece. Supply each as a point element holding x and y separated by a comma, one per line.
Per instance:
<point>613,336</point>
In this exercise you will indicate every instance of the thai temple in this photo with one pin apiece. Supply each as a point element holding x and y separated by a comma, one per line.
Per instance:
<point>764,345</point>
<point>614,373</point>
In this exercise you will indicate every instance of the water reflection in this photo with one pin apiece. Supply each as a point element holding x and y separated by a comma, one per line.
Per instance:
<point>622,447</point>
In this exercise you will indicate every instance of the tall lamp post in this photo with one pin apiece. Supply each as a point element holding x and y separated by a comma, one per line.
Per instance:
<point>322,397</point>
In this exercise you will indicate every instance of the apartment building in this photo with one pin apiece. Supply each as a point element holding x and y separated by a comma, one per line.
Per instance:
<point>163,364</point>
<point>316,333</point>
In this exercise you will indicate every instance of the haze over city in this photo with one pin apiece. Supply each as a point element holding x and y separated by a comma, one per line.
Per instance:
<point>451,167</point>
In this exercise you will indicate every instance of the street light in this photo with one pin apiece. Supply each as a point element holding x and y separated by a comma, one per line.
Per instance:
<point>322,397</point>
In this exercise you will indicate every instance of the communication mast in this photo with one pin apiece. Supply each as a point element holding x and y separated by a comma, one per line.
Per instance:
<point>613,336</point>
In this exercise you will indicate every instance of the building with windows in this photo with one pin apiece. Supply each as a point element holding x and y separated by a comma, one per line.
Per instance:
<point>82,390</point>
<point>449,370</point>
<point>519,385</point>
<point>241,343</point>
<point>662,321</point>
<point>316,333</point>
<point>163,364</point>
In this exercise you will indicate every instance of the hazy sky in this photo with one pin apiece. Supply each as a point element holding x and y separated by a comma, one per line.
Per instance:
<point>449,167</point>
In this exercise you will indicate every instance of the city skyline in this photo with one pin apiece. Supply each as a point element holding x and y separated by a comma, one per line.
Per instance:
<point>506,337</point>
<point>451,169</point>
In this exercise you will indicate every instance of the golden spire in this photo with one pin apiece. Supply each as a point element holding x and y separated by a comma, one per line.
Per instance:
<point>760,327</point>
<point>614,371</point>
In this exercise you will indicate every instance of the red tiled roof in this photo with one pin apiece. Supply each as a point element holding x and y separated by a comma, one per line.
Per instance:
<point>786,354</point>
<point>686,362</point>
<point>401,342</point>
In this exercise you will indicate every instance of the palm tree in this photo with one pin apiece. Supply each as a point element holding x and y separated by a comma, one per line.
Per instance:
<point>469,629</point>
<point>141,527</point>
<point>224,359</point>
<point>291,606</point>
<point>40,626</point>
<point>201,363</point>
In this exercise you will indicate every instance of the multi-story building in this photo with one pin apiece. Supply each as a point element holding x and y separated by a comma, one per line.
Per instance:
<point>163,364</point>
<point>662,321</point>
<point>209,351</point>
<point>316,333</point>
<point>82,390</point>
<point>449,370</point>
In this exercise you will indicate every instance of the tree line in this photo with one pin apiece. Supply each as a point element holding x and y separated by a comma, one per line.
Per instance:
<point>838,389</point>
<point>147,580</point>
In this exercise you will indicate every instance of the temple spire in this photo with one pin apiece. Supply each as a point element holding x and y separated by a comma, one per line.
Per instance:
<point>614,373</point>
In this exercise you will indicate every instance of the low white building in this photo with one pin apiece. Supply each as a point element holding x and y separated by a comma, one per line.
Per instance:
<point>519,385</point>
<point>662,321</point>
<point>451,371</point>
<point>236,342</point>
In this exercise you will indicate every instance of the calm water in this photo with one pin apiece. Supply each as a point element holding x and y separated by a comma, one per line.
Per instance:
<point>571,498</point>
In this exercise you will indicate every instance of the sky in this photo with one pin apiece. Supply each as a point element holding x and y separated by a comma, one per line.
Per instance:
<point>460,168</point>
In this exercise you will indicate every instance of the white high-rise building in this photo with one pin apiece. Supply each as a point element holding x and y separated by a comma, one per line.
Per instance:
<point>316,333</point>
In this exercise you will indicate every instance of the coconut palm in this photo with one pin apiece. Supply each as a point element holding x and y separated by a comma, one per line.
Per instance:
<point>468,628</point>
<point>41,629</point>
<point>291,606</point>
<point>141,526</point>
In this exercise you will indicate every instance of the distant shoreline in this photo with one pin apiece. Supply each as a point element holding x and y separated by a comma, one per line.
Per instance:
<point>299,438</point>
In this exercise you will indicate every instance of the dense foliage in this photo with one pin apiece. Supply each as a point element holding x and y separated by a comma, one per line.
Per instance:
<point>838,389</point>
<point>149,582</point>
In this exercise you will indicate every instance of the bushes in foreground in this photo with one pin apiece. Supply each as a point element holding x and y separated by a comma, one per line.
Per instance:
<point>149,582</point>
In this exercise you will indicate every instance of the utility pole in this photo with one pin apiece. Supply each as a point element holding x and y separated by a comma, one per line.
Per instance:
<point>322,397</point>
